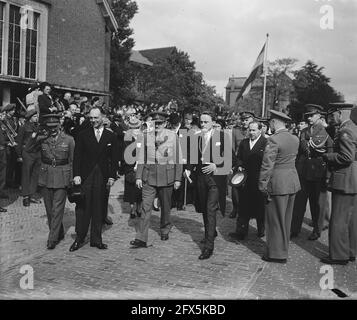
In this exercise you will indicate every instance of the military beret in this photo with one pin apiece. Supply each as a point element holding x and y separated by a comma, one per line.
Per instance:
<point>246,115</point>
<point>335,106</point>
<point>51,120</point>
<point>313,109</point>
<point>29,114</point>
<point>158,116</point>
<point>279,115</point>
<point>353,115</point>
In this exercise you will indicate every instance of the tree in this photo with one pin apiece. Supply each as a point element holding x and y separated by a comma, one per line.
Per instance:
<point>121,77</point>
<point>278,71</point>
<point>175,78</point>
<point>312,86</point>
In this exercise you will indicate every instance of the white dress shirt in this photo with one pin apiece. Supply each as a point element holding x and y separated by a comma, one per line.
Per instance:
<point>253,142</point>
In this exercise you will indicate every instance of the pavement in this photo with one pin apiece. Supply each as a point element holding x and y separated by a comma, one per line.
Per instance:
<point>166,269</point>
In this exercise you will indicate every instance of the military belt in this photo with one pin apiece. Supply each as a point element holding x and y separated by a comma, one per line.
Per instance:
<point>55,162</point>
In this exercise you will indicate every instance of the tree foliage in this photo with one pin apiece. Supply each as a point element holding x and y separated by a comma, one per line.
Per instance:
<point>121,77</point>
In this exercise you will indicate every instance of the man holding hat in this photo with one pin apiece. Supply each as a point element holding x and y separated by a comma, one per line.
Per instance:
<point>158,172</point>
<point>57,151</point>
<point>279,182</point>
<point>30,155</point>
<point>238,134</point>
<point>343,185</point>
<point>314,142</point>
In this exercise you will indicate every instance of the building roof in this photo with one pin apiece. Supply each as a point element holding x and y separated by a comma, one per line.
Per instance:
<point>158,54</point>
<point>108,15</point>
<point>137,57</point>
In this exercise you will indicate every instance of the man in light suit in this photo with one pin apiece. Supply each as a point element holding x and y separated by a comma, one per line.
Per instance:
<point>279,183</point>
<point>343,185</point>
<point>95,164</point>
<point>158,172</point>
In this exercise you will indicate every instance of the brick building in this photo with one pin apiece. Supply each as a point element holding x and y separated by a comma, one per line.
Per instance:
<point>279,93</point>
<point>64,42</point>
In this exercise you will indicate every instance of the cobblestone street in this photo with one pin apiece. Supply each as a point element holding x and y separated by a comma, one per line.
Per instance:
<point>165,270</point>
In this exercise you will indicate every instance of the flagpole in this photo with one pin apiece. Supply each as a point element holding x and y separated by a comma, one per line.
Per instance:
<point>265,73</point>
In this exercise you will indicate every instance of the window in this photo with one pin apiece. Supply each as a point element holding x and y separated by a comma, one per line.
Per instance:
<point>13,65</point>
<point>20,30</point>
<point>2,18</point>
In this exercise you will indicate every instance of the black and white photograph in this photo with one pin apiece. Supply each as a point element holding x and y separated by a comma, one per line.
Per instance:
<point>179,155</point>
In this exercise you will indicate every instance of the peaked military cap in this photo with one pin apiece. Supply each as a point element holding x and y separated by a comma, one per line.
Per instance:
<point>279,115</point>
<point>313,109</point>
<point>335,106</point>
<point>29,114</point>
<point>263,120</point>
<point>9,107</point>
<point>51,120</point>
<point>158,116</point>
<point>246,115</point>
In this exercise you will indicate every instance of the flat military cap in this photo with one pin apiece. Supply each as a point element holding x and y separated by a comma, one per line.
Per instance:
<point>9,107</point>
<point>246,115</point>
<point>353,115</point>
<point>279,115</point>
<point>313,109</point>
<point>335,106</point>
<point>29,114</point>
<point>51,120</point>
<point>158,116</point>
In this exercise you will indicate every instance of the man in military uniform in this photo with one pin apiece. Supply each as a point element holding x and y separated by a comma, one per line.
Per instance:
<point>238,134</point>
<point>314,142</point>
<point>158,172</point>
<point>2,160</point>
<point>55,175</point>
<point>279,183</point>
<point>30,156</point>
<point>343,185</point>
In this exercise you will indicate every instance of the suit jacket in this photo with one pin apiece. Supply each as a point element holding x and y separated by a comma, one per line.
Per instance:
<point>88,153</point>
<point>251,160</point>
<point>158,162</point>
<point>343,161</point>
<point>44,103</point>
<point>278,174</point>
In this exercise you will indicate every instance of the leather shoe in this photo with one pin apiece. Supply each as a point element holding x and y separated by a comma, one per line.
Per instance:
<point>2,209</point>
<point>314,236</point>
<point>352,259</point>
<point>267,259</point>
<point>108,221</point>
<point>33,200</point>
<point>179,208</point>
<point>101,246</point>
<point>4,196</point>
<point>164,237</point>
<point>138,244</point>
<point>237,236</point>
<point>26,202</point>
<point>206,253</point>
<point>51,245</point>
<point>328,260</point>
<point>75,246</point>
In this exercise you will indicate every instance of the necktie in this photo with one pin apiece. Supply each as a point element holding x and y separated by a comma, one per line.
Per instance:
<point>97,135</point>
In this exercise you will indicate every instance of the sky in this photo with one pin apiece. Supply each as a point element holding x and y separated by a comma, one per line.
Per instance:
<point>225,37</point>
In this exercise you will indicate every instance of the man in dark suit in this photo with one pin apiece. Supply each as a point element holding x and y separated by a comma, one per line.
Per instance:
<point>212,166</point>
<point>343,185</point>
<point>95,165</point>
<point>250,156</point>
<point>238,134</point>
<point>279,182</point>
<point>2,160</point>
<point>45,102</point>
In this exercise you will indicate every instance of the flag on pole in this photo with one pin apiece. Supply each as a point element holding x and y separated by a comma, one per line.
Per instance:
<point>256,72</point>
